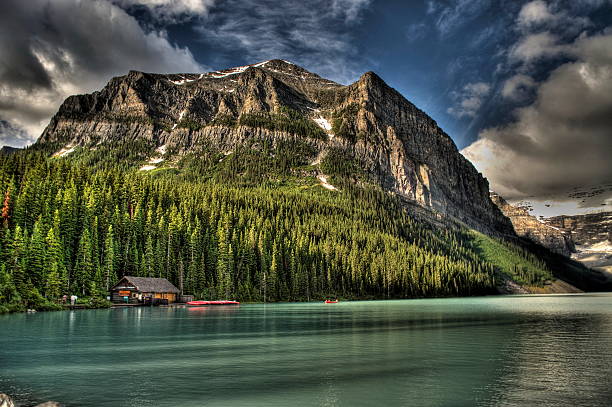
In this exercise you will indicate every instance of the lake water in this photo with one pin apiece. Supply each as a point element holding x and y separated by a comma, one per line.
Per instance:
<point>490,351</point>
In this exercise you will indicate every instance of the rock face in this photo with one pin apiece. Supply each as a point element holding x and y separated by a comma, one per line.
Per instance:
<point>397,144</point>
<point>588,229</point>
<point>8,150</point>
<point>526,225</point>
<point>592,234</point>
<point>6,400</point>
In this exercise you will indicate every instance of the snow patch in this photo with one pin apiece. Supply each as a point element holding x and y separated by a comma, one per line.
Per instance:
<point>603,246</point>
<point>156,159</point>
<point>162,149</point>
<point>185,80</point>
<point>65,151</point>
<point>232,71</point>
<point>326,184</point>
<point>179,119</point>
<point>542,221</point>
<point>323,123</point>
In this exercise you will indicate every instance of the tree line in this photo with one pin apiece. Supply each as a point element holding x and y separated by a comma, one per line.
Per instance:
<point>70,229</point>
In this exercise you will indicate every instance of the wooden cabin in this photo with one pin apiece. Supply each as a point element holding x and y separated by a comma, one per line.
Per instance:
<point>145,290</point>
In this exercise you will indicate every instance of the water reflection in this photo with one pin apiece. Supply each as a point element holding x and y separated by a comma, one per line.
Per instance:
<point>557,359</point>
<point>498,351</point>
<point>214,309</point>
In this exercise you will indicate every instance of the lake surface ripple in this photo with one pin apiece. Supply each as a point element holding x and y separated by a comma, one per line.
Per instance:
<point>489,351</point>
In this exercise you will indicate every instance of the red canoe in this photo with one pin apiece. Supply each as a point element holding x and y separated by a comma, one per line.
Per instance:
<point>331,302</point>
<point>223,302</point>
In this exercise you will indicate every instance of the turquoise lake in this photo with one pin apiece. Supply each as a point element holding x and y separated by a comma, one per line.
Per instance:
<point>540,351</point>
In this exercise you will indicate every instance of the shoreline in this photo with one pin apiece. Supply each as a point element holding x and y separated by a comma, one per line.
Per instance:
<point>184,305</point>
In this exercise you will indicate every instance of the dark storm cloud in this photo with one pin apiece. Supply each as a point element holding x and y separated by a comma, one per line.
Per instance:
<point>18,136</point>
<point>50,49</point>
<point>564,138</point>
<point>557,73</point>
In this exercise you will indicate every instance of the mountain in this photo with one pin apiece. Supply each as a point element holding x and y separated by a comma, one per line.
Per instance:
<point>367,126</point>
<point>586,230</point>
<point>526,225</point>
<point>584,238</point>
<point>260,183</point>
<point>592,234</point>
<point>8,150</point>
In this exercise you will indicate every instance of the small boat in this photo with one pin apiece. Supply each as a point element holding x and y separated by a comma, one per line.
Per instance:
<point>331,301</point>
<point>221,302</point>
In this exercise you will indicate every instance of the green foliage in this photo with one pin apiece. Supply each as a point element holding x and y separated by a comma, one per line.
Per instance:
<point>97,302</point>
<point>116,154</point>
<point>224,120</point>
<point>8,290</point>
<point>190,124</point>
<point>230,226</point>
<point>285,119</point>
<point>523,266</point>
<point>259,162</point>
<point>343,170</point>
<point>343,121</point>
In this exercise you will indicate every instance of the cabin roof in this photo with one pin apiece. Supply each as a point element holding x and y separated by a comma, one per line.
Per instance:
<point>150,284</point>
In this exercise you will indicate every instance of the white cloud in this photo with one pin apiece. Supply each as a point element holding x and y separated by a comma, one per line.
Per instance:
<point>469,99</point>
<point>534,12</point>
<point>536,46</point>
<point>170,10</point>
<point>416,31</point>
<point>518,87</point>
<point>54,48</point>
<point>451,15</point>
<point>564,137</point>
<point>350,9</point>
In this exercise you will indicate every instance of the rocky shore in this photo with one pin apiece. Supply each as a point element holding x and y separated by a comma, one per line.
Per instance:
<point>7,401</point>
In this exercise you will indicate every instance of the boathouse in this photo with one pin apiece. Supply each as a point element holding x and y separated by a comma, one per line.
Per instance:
<point>145,290</point>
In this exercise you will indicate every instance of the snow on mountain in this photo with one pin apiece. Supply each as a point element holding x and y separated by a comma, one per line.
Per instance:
<point>323,123</point>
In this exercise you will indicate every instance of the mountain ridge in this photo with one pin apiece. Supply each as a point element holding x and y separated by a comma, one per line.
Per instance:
<point>259,185</point>
<point>395,143</point>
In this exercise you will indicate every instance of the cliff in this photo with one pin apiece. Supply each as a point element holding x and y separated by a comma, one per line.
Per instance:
<point>592,234</point>
<point>526,225</point>
<point>396,144</point>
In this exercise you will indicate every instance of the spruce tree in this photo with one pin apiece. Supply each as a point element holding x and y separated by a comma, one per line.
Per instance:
<point>83,267</point>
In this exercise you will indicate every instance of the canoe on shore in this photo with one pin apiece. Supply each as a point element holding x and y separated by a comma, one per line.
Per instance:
<point>222,302</point>
<point>331,301</point>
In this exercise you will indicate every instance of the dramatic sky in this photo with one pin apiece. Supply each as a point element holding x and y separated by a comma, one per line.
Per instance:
<point>524,88</point>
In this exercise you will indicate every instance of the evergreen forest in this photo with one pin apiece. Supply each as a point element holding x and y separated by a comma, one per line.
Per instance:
<point>220,229</point>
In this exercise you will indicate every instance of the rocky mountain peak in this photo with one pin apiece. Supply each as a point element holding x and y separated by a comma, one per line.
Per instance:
<point>395,144</point>
<point>529,226</point>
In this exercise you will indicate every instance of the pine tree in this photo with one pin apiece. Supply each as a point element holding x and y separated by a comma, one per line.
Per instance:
<point>56,279</point>
<point>36,256</point>
<point>16,260</point>
<point>109,275</point>
<point>8,291</point>
<point>83,268</point>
